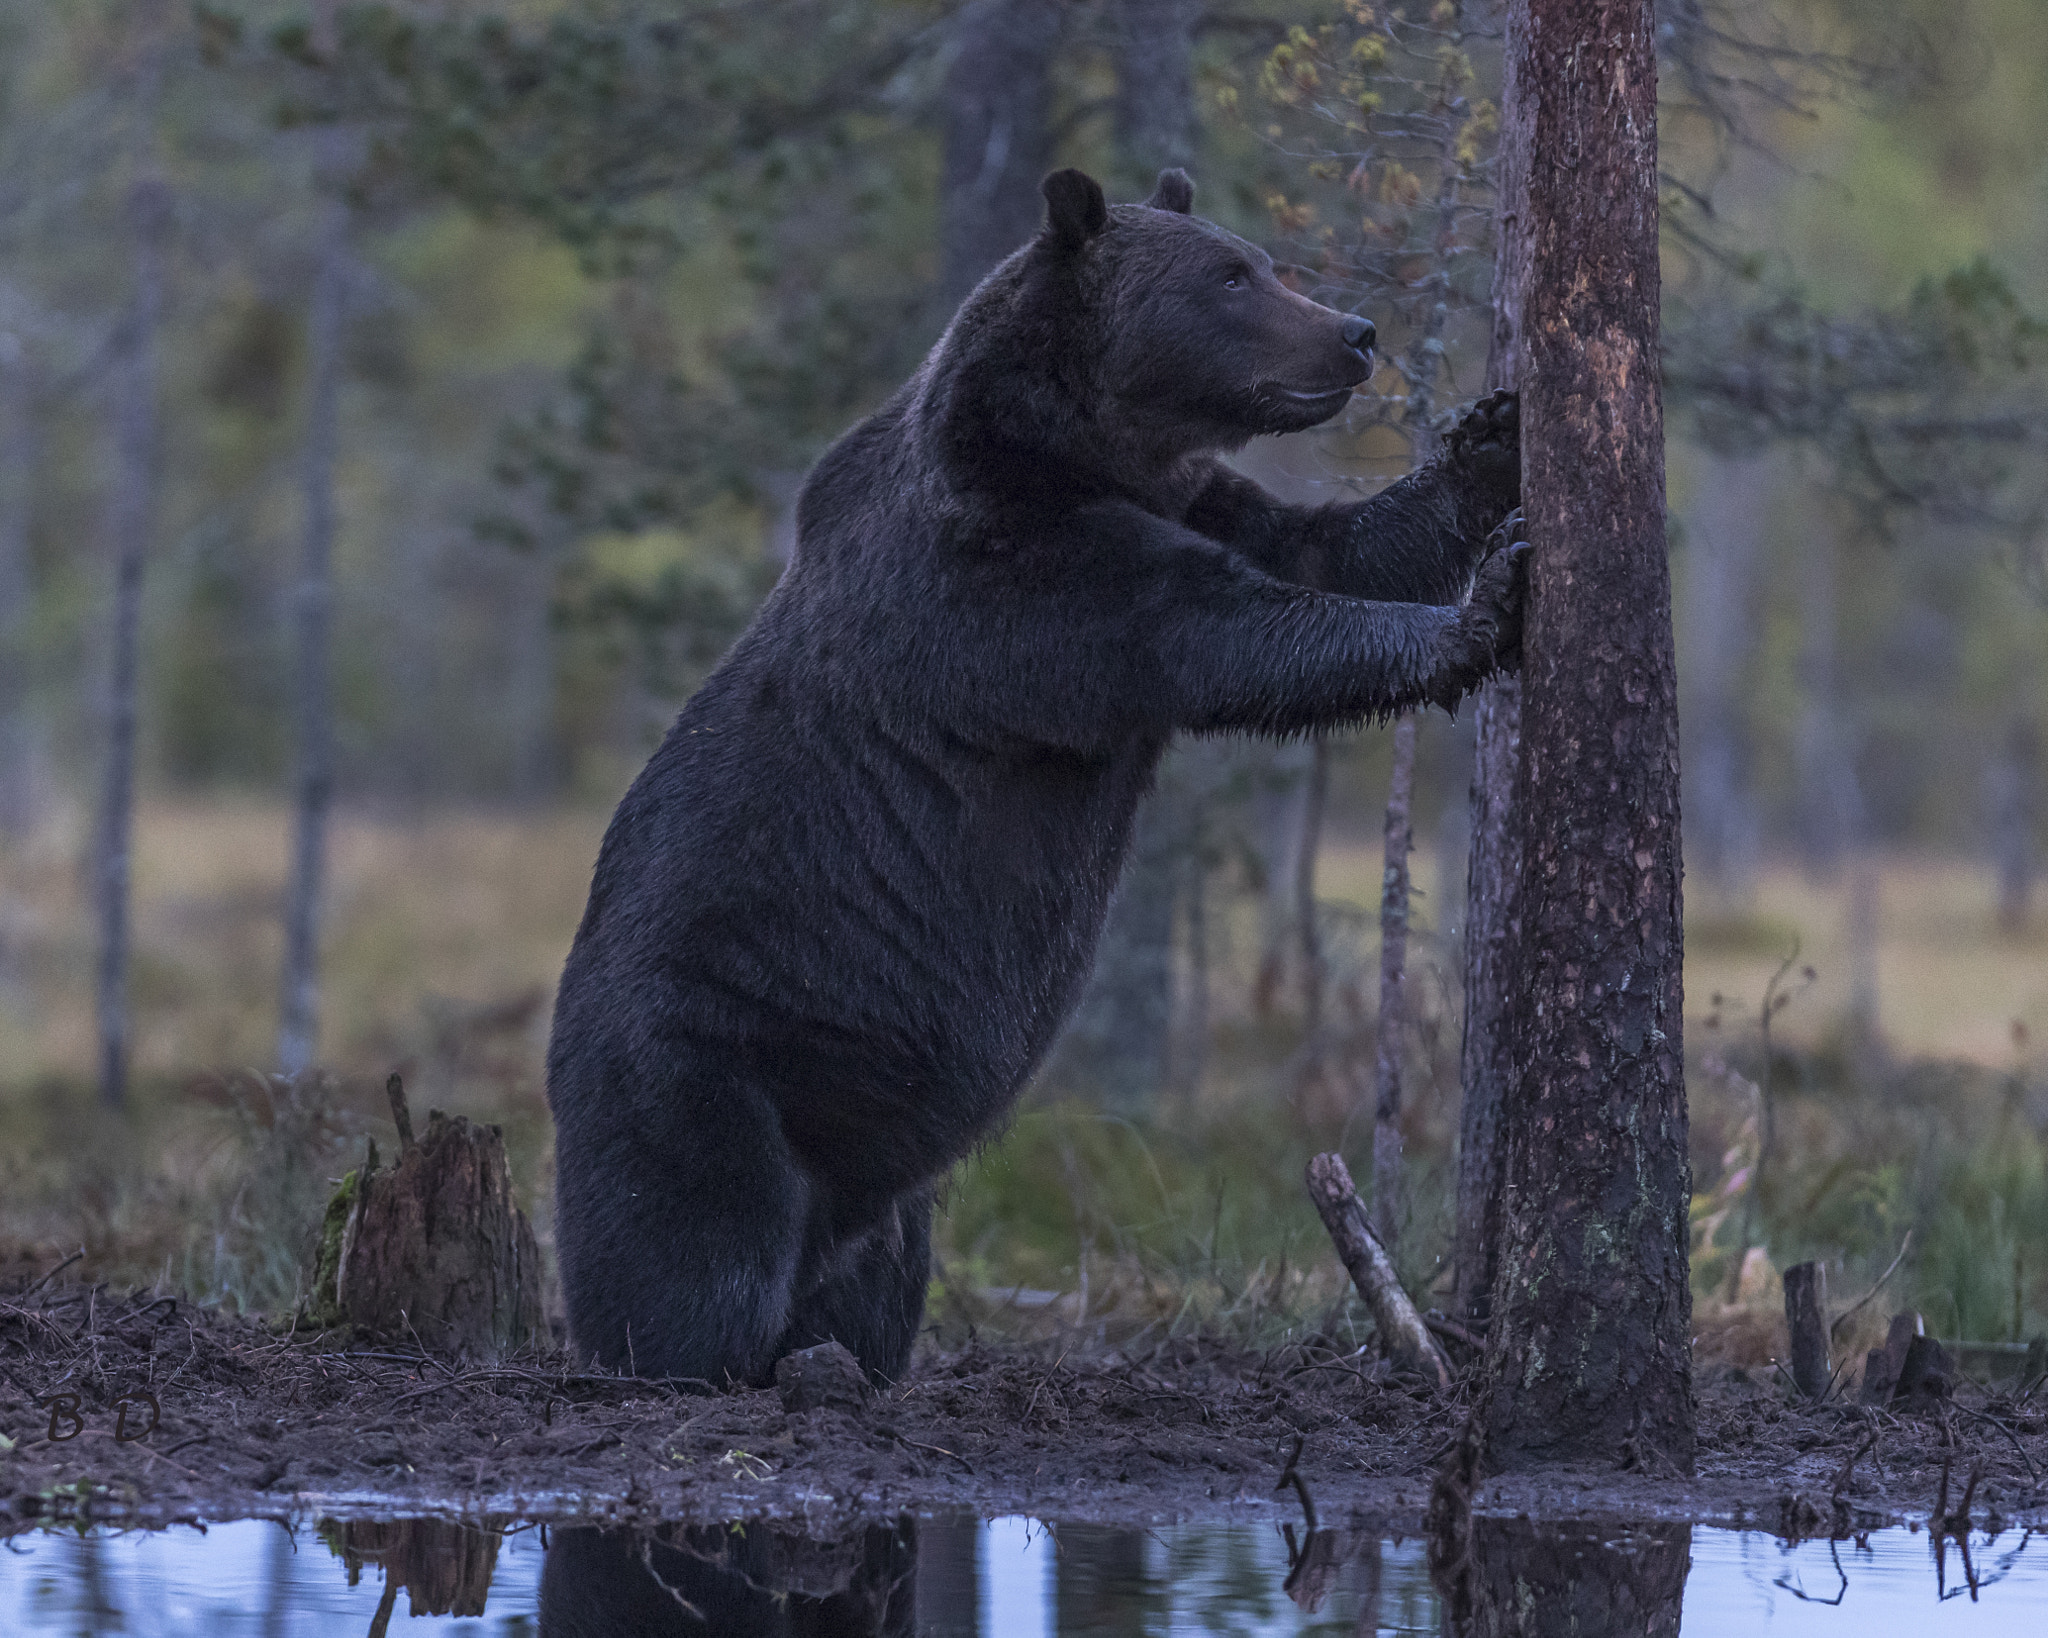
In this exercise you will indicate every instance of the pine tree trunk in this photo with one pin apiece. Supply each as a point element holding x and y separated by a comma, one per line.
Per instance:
<point>998,136</point>
<point>1386,1103</point>
<point>132,520</point>
<point>313,785</point>
<point>1589,1353</point>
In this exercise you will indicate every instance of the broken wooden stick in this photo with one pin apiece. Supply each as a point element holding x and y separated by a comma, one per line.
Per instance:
<point>1402,1332</point>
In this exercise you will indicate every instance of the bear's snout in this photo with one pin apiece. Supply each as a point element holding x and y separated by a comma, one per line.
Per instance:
<point>1359,333</point>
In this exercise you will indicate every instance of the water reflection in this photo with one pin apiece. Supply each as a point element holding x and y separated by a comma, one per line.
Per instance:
<point>1009,1578</point>
<point>746,1581</point>
<point>1515,1579</point>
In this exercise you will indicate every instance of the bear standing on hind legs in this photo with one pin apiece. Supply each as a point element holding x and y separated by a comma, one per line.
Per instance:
<point>844,910</point>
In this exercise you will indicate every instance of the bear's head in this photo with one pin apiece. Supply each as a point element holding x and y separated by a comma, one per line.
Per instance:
<point>1124,339</point>
<point>1189,318</point>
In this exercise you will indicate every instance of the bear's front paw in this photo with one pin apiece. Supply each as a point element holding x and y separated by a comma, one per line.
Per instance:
<point>1488,634</point>
<point>1487,442</point>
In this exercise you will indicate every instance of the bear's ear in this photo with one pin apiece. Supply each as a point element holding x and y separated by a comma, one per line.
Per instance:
<point>1075,210</point>
<point>1174,192</point>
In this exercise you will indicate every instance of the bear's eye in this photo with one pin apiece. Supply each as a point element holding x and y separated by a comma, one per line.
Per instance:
<point>1235,280</point>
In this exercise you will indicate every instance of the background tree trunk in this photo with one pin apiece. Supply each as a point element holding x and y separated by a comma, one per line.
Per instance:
<point>1307,926</point>
<point>132,522</point>
<point>1152,47</point>
<point>1386,1075</point>
<point>2015,797</point>
<point>1589,1350</point>
<point>21,773</point>
<point>998,142</point>
<point>1827,770</point>
<point>313,786</point>
<point>1721,552</point>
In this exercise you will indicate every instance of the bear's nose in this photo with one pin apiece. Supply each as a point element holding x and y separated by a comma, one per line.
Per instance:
<point>1358,333</point>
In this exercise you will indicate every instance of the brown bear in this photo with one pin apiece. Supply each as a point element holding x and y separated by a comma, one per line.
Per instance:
<point>844,910</point>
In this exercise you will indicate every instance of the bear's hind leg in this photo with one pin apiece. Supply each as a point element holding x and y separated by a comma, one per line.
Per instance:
<point>680,1264</point>
<point>873,1302</point>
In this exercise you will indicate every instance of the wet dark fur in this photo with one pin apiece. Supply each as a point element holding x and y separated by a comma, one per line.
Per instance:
<point>844,910</point>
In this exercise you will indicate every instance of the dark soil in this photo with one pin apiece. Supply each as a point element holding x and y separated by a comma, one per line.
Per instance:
<point>255,1423</point>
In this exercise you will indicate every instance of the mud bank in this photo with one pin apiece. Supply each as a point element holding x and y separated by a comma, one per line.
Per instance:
<point>134,1408</point>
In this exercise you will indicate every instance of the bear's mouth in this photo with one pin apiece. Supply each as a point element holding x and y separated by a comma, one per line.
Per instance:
<point>1329,397</point>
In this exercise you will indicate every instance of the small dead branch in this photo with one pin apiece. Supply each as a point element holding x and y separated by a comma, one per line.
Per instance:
<point>1402,1332</point>
<point>1870,1296</point>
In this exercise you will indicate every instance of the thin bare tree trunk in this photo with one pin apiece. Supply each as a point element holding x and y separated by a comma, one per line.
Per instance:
<point>1308,927</point>
<point>132,523</point>
<point>2015,794</point>
<point>1386,1102</point>
<point>313,783</point>
<point>1282,796</point>
<point>1721,553</point>
<point>1589,1349</point>
<point>20,770</point>
<point>1827,796</point>
<point>1193,1061</point>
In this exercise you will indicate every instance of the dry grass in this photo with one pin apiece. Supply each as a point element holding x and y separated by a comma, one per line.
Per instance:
<point>447,928</point>
<point>1950,985</point>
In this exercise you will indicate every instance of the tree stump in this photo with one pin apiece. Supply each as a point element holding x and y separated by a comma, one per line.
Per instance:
<point>434,1250</point>
<point>1806,1302</point>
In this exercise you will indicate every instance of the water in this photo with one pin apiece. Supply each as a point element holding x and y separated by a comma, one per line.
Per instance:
<point>1004,1578</point>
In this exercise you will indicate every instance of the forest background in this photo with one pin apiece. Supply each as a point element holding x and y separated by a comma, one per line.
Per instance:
<point>443,375</point>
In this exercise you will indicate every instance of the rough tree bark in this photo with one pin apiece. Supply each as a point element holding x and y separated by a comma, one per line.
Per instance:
<point>998,136</point>
<point>132,522</point>
<point>434,1250</point>
<point>1386,1065</point>
<point>313,783</point>
<point>1589,1352</point>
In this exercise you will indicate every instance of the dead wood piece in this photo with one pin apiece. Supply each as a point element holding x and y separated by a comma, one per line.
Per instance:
<point>436,1248</point>
<point>1402,1332</point>
<point>1882,1366</point>
<point>1806,1301</point>
<point>1928,1373</point>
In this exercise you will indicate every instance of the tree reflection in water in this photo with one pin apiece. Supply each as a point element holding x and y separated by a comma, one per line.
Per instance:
<point>1519,1579</point>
